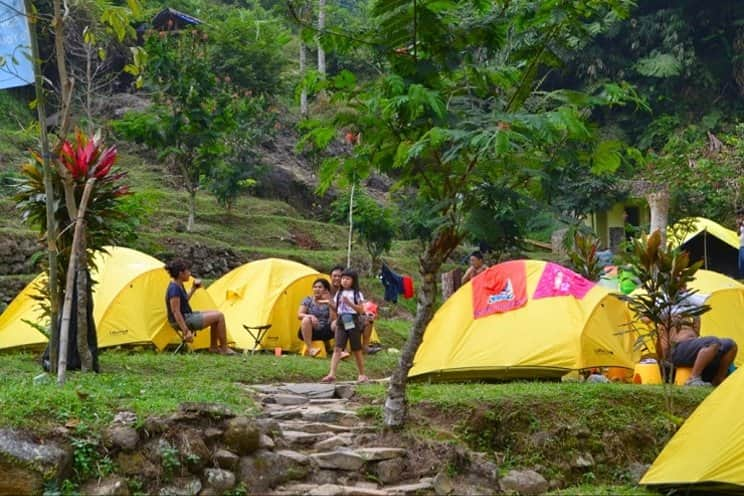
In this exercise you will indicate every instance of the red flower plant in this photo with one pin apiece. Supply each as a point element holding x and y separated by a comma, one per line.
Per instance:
<point>85,158</point>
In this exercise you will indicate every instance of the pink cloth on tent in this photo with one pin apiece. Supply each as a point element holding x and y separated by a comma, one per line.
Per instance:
<point>560,281</point>
<point>499,289</point>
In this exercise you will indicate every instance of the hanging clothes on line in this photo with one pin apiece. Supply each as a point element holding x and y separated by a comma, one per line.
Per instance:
<point>393,283</point>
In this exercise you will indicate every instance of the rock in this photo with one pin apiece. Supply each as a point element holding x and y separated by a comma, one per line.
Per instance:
<point>212,434</point>
<point>294,456</point>
<point>25,464</point>
<point>121,437</point>
<point>376,454</point>
<point>423,485</point>
<point>108,486</point>
<point>219,480</point>
<point>540,439</point>
<point>266,469</point>
<point>269,426</point>
<point>226,459</point>
<point>125,418</point>
<point>193,449</point>
<point>183,486</point>
<point>390,471</point>
<point>287,399</point>
<point>338,460</point>
<point>155,425</point>
<point>265,442</point>
<point>636,471</point>
<point>481,466</point>
<point>442,484</point>
<point>293,425</point>
<point>333,416</point>
<point>311,390</point>
<point>305,438</point>
<point>242,435</point>
<point>597,379</point>
<point>524,482</point>
<point>265,389</point>
<point>332,443</point>
<point>583,461</point>
<point>345,391</point>
<point>328,490</point>
<point>214,411</point>
<point>135,463</point>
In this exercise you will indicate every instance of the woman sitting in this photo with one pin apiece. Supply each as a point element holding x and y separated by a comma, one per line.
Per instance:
<point>315,316</point>
<point>183,318</point>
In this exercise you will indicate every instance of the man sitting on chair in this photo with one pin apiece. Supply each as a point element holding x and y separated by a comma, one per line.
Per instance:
<point>183,318</point>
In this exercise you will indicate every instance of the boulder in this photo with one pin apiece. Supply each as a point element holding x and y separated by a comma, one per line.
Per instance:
<point>338,460</point>
<point>25,463</point>
<point>524,482</point>
<point>242,435</point>
<point>122,437</point>
<point>182,486</point>
<point>219,480</point>
<point>193,449</point>
<point>389,471</point>
<point>226,459</point>
<point>108,486</point>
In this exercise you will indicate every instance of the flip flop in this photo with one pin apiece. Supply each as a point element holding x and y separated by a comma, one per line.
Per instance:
<point>345,355</point>
<point>328,378</point>
<point>227,352</point>
<point>188,338</point>
<point>313,352</point>
<point>363,379</point>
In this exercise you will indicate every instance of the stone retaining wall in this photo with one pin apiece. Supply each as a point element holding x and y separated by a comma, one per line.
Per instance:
<point>16,253</point>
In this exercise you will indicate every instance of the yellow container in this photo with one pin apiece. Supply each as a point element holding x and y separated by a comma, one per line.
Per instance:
<point>647,373</point>
<point>320,345</point>
<point>681,374</point>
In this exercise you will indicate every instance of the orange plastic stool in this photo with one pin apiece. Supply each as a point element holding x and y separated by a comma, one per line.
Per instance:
<point>617,374</point>
<point>681,374</point>
<point>316,344</point>
<point>647,373</point>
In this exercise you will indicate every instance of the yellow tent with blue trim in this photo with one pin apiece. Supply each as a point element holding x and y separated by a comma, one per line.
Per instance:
<point>547,337</point>
<point>707,453</point>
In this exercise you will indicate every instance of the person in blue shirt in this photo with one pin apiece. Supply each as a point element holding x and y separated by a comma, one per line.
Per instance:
<point>181,316</point>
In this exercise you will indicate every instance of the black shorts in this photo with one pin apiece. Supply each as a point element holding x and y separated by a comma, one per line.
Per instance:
<point>685,353</point>
<point>353,336</point>
<point>322,333</point>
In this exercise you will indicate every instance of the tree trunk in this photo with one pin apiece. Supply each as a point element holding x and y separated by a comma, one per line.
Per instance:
<point>192,210</point>
<point>396,407</point>
<point>321,27</point>
<point>51,222</point>
<point>451,282</point>
<point>658,203</point>
<point>303,93</point>
<point>64,330</point>
<point>59,47</point>
<point>86,357</point>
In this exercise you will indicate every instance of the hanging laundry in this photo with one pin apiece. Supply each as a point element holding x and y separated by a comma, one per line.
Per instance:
<point>393,283</point>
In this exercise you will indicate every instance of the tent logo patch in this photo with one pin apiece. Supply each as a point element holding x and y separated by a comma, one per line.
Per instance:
<point>506,294</point>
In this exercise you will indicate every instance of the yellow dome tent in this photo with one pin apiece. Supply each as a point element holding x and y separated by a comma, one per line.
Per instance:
<point>547,337</point>
<point>708,241</point>
<point>14,332</point>
<point>707,453</point>
<point>263,292</point>
<point>128,303</point>
<point>129,300</point>
<point>726,300</point>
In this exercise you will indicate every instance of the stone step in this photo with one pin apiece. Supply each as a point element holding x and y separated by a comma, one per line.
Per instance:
<point>301,425</point>
<point>305,438</point>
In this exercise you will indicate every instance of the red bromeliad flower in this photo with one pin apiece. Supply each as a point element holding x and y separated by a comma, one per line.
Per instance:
<point>85,158</point>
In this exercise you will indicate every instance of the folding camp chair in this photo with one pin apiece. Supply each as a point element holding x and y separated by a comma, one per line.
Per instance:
<point>183,345</point>
<point>257,333</point>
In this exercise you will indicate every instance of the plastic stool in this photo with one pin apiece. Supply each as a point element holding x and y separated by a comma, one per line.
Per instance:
<point>646,373</point>
<point>315,344</point>
<point>681,374</point>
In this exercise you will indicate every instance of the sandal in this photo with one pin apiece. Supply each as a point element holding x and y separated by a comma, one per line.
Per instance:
<point>227,352</point>
<point>312,352</point>
<point>328,378</point>
<point>363,379</point>
<point>188,338</point>
<point>345,355</point>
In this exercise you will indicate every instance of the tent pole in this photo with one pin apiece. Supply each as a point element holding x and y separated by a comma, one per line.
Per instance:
<point>705,249</point>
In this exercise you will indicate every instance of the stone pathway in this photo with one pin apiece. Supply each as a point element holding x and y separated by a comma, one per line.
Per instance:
<point>317,427</point>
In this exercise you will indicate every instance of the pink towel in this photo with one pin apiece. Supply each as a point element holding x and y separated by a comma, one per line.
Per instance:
<point>560,281</point>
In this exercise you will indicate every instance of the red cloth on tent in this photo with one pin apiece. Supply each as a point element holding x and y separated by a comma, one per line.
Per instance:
<point>499,289</point>
<point>560,281</point>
